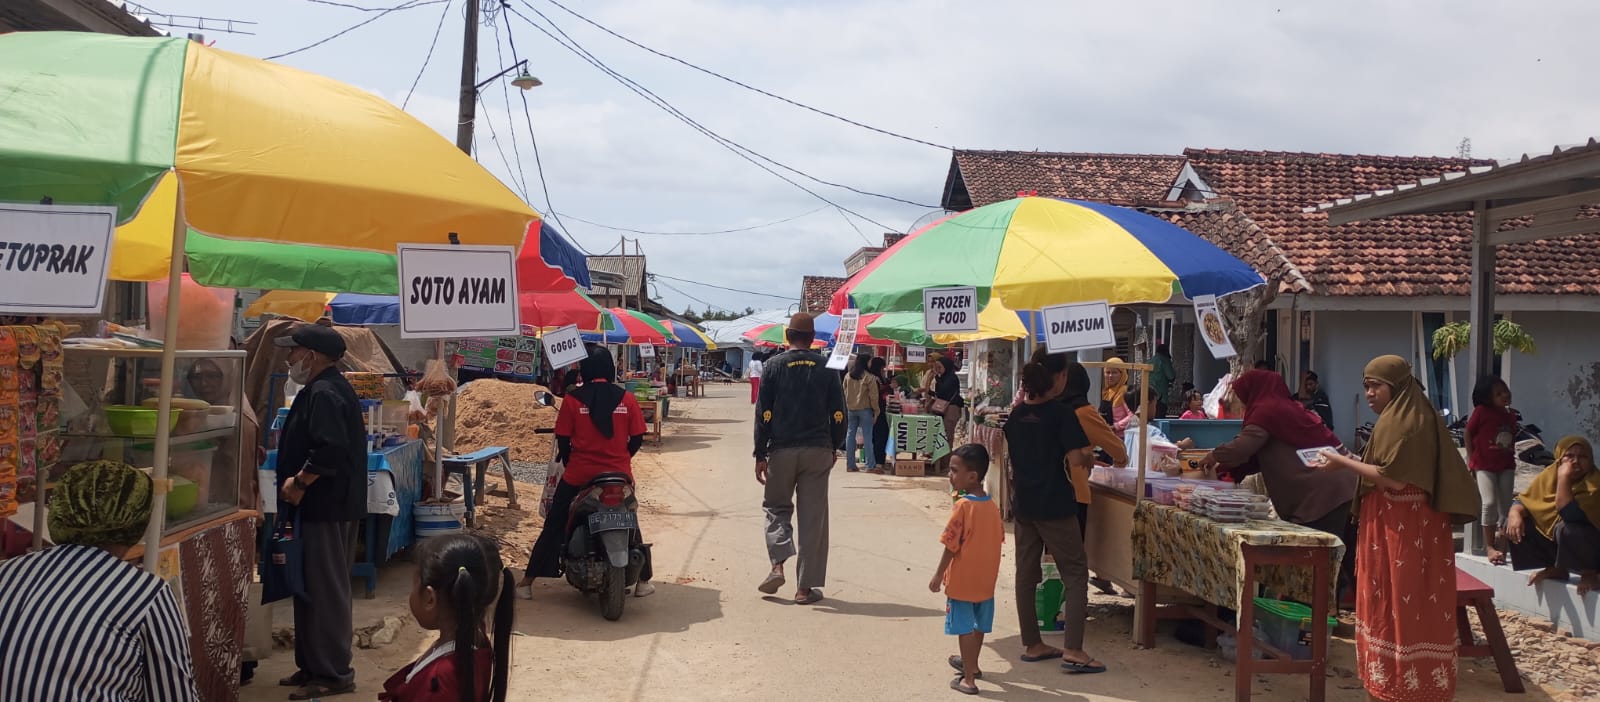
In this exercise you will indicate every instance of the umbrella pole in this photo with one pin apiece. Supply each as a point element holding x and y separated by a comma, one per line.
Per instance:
<point>446,419</point>
<point>169,360</point>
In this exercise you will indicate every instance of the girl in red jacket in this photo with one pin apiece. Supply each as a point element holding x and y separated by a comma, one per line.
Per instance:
<point>458,578</point>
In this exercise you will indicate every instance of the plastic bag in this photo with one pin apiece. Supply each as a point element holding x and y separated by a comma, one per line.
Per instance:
<point>552,478</point>
<point>1213,403</point>
<point>436,380</point>
<point>1162,450</point>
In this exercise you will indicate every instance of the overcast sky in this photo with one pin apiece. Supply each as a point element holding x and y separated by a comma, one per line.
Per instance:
<point>1356,76</point>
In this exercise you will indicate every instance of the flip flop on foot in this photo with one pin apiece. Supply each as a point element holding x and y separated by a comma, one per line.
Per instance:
<point>955,662</point>
<point>805,597</point>
<point>963,688</point>
<point>314,691</point>
<point>772,583</point>
<point>299,679</point>
<point>1079,668</point>
<point>1049,656</point>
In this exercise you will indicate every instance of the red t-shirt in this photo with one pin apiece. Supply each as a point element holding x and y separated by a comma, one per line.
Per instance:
<point>592,452</point>
<point>436,679</point>
<point>1493,433</point>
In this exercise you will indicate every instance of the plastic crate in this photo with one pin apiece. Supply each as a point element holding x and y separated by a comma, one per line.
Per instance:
<point>1207,433</point>
<point>1288,626</point>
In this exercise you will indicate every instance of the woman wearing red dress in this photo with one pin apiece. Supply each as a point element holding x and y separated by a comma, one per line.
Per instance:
<point>458,578</point>
<point>1414,487</point>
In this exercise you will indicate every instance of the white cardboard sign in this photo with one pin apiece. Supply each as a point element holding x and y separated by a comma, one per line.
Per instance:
<point>1077,326</point>
<point>564,346</point>
<point>647,351</point>
<point>844,340</point>
<point>53,258</point>
<point>451,291</point>
<point>948,310</point>
<point>916,354</point>
<point>1212,328</point>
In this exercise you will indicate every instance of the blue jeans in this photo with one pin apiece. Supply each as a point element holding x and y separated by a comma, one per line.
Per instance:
<point>859,419</point>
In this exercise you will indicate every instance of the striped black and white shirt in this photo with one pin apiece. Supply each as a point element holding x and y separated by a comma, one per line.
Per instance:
<point>78,624</point>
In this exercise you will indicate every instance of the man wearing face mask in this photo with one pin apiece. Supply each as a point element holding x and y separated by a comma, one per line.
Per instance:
<point>322,473</point>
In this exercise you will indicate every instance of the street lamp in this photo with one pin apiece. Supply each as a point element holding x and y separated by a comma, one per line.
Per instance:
<point>523,79</point>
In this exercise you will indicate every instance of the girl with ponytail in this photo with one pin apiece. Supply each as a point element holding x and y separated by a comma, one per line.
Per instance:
<point>459,579</point>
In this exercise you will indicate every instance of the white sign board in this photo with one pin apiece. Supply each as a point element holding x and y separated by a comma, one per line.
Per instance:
<point>53,258</point>
<point>916,354</point>
<point>1209,319</point>
<point>647,351</point>
<point>450,291</point>
<point>1078,326</point>
<point>844,340</point>
<point>564,346</point>
<point>947,310</point>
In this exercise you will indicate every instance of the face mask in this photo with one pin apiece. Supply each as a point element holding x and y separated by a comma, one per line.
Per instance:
<point>300,372</point>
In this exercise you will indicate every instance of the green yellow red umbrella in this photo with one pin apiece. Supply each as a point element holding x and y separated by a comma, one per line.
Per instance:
<point>632,328</point>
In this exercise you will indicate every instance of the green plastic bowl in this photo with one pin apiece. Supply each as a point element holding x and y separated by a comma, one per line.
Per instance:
<point>125,420</point>
<point>183,498</point>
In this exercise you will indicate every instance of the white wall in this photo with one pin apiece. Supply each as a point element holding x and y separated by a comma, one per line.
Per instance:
<point>1559,387</point>
<point>1345,342</point>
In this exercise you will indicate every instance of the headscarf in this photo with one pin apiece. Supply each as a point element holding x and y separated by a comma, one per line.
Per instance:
<point>599,391</point>
<point>1411,444</point>
<point>947,386</point>
<point>1268,404</point>
<point>1076,394</point>
<point>100,503</point>
<point>1117,394</point>
<point>1540,497</point>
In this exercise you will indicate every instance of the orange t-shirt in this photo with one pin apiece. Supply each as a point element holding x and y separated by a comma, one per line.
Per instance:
<point>975,534</point>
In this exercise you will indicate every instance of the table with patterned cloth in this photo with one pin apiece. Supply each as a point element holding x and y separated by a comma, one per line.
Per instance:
<point>921,434</point>
<point>1205,558</point>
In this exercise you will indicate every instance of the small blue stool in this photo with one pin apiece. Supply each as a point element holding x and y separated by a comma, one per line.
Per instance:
<point>472,480</point>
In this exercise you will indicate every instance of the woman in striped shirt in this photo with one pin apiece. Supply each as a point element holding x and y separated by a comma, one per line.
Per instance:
<point>79,623</point>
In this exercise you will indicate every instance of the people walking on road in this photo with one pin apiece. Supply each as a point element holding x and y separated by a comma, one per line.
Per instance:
<point>322,471</point>
<point>970,564</point>
<point>800,418</point>
<point>81,622</point>
<point>752,371</point>
<point>459,576</point>
<point>1043,435</point>
<point>861,401</point>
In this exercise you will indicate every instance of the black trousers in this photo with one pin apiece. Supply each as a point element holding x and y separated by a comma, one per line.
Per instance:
<point>322,621</point>
<point>545,561</point>
<point>880,440</point>
<point>1576,547</point>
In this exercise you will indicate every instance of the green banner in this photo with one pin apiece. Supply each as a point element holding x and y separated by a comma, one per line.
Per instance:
<point>921,434</point>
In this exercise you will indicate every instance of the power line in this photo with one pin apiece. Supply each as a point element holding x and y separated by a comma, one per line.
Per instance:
<point>495,137</point>
<point>429,57</point>
<point>704,233</point>
<point>852,224</point>
<point>490,16</point>
<point>692,298</point>
<point>738,149</point>
<point>413,4</point>
<point>719,287</point>
<point>538,162</point>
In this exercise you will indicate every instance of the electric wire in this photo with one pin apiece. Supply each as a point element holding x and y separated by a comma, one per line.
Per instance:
<point>494,136</point>
<point>708,305</point>
<point>533,140</point>
<point>852,224</point>
<point>719,287</point>
<point>646,232</point>
<point>429,57</point>
<point>381,13</point>
<point>490,15</point>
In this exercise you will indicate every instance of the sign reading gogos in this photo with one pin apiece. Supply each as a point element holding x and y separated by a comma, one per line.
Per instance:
<point>948,310</point>
<point>448,291</point>
<point>53,258</point>
<point>1078,326</point>
<point>564,346</point>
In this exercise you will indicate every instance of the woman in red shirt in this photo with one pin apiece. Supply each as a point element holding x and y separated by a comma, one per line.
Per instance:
<point>598,429</point>
<point>1491,454</point>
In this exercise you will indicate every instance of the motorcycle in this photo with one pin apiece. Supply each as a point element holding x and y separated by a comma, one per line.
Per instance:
<point>1528,444</point>
<point>605,552</point>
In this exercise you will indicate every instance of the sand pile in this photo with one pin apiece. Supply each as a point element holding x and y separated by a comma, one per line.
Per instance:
<point>498,413</point>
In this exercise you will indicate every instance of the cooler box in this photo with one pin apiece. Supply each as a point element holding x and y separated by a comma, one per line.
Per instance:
<point>1288,626</point>
<point>1207,433</point>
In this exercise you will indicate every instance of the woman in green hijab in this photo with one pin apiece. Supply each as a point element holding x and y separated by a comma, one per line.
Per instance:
<point>1414,486</point>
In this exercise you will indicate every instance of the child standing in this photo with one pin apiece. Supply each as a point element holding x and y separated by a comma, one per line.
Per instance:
<point>1492,455</point>
<point>1194,406</point>
<point>970,564</point>
<point>458,578</point>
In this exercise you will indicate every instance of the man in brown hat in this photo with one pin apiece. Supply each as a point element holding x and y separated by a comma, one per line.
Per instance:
<point>799,421</point>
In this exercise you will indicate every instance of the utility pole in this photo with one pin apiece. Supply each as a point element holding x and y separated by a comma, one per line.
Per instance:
<point>469,80</point>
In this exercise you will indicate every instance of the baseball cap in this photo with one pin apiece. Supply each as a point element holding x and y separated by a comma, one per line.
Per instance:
<point>323,340</point>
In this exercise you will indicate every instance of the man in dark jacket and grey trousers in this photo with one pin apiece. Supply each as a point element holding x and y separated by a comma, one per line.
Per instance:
<point>799,421</point>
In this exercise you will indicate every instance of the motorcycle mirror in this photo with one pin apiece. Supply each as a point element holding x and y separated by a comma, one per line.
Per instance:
<point>544,398</point>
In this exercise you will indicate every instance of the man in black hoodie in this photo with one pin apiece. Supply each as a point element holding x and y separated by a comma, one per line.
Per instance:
<point>799,421</point>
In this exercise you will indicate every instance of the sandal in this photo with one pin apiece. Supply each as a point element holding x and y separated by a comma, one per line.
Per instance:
<point>1088,668</point>
<point>772,583</point>
<point>299,679</point>
<point>805,597</point>
<point>955,662</point>
<point>313,691</point>
<point>1054,654</point>
<point>963,688</point>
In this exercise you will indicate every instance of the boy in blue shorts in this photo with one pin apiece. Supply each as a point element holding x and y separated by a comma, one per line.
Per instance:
<point>971,563</point>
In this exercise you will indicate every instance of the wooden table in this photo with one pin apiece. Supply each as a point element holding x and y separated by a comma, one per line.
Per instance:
<point>1219,563</point>
<point>652,413</point>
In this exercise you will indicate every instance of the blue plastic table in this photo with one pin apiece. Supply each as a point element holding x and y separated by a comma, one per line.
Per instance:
<point>464,465</point>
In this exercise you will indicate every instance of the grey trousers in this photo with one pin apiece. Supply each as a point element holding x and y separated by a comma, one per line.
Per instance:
<point>1064,540</point>
<point>322,625</point>
<point>799,475</point>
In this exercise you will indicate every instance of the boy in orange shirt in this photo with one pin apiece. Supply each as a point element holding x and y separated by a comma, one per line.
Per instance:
<point>971,563</point>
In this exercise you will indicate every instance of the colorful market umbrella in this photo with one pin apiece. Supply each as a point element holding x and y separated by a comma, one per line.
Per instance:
<point>827,326</point>
<point>632,328</point>
<point>1035,252</point>
<point>689,336</point>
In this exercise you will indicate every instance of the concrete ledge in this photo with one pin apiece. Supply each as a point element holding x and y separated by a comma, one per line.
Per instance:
<point>1556,601</point>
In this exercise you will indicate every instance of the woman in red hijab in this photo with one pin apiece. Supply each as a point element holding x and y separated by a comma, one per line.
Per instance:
<point>1275,427</point>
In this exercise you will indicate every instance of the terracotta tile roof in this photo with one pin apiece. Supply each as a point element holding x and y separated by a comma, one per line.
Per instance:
<point>978,178</point>
<point>816,292</point>
<point>1221,223</point>
<point>1412,255</point>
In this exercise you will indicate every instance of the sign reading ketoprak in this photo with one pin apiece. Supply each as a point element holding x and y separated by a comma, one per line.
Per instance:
<point>1078,326</point>
<point>53,258</point>
<point>449,291</point>
<point>947,310</point>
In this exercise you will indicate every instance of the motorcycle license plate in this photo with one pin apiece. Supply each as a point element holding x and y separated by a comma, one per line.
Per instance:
<point>612,521</point>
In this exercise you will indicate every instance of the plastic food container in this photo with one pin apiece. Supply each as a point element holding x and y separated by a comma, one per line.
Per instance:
<point>1287,626</point>
<point>127,420</point>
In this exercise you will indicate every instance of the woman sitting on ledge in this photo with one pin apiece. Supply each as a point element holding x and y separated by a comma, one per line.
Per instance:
<point>1563,506</point>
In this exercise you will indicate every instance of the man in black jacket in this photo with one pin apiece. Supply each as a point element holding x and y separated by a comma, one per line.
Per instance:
<point>322,471</point>
<point>799,421</point>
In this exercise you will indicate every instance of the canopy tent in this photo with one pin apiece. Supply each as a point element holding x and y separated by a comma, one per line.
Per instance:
<point>729,334</point>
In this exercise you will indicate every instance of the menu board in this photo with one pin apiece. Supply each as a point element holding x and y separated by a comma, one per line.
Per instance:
<point>516,356</point>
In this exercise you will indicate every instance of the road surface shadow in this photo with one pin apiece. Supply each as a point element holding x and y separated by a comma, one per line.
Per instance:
<point>885,610</point>
<point>705,421</point>
<point>679,443</point>
<point>559,611</point>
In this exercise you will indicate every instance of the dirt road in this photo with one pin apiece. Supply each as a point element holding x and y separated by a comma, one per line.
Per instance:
<point>707,634</point>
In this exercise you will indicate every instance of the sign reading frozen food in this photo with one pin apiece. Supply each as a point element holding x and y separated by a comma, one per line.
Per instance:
<point>916,354</point>
<point>844,340</point>
<point>1212,330</point>
<point>947,310</point>
<point>1078,326</point>
<point>449,291</point>
<point>53,258</point>
<point>564,346</point>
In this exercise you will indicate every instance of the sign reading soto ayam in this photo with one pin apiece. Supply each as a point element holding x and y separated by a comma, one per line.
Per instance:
<point>53,258</point>
<point>948,310</point>
<point>451,291</point>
